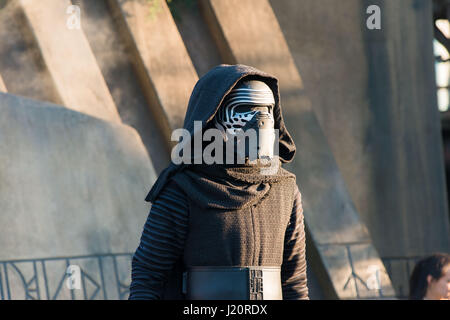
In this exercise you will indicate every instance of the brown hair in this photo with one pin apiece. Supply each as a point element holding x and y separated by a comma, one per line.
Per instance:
<point>432,265</point>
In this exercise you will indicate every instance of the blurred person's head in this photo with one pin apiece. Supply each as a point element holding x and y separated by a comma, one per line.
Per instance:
<point>430,278</point>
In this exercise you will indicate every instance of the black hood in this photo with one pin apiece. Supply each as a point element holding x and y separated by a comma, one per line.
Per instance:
<point>206,99</point>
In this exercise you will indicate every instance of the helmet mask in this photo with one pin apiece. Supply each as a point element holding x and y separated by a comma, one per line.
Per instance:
<point>246,118</point>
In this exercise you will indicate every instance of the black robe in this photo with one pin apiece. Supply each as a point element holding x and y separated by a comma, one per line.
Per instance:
<point>232,208</point>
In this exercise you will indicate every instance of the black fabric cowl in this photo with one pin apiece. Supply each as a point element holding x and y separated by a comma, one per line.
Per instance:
<point>229,187</point>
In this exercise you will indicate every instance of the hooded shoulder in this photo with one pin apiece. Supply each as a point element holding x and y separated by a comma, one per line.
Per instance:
<point>205,100</point>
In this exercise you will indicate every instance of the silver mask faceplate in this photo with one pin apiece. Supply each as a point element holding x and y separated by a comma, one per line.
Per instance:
<point>249,106</point>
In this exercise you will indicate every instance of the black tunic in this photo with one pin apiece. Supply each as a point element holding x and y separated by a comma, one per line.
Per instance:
<point>164,236</point>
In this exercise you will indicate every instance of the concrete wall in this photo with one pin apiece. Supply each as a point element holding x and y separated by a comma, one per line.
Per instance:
<point>374,95</point>
<point>72,189</point>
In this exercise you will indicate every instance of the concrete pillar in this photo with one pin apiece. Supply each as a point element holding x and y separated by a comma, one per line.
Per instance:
<point>340,247</point>
<point>21,65</point>
<point>68,57</point>
<point>162,63</point>
<point>114,61</point>
<point>196,36</point>
<point>2,85</point>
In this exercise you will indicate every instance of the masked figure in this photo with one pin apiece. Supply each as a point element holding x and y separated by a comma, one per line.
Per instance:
<point>233,229</point>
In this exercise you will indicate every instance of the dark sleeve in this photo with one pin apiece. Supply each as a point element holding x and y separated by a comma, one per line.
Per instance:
<point>293,269</point>
<point>162,243</point>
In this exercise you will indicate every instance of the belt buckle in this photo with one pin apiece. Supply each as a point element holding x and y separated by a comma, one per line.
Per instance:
<point>256,284</point>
